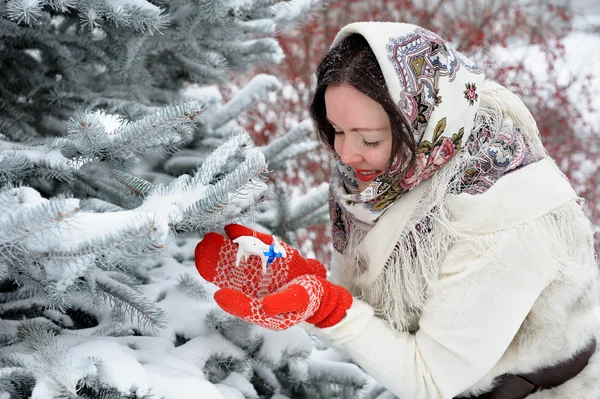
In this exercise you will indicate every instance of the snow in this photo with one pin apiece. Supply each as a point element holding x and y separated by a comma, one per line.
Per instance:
<point>40,154</point>
<point>289,13</point>
<point>245,198</point>
<point>118,4</point>
<point>58,317</point>
<point>205,94</point>
<point>278,343</point>
<point>78,228</point>
<point>110,122</point>
<point>118,365</point>
<point>153,364</point>
<point>180,385</point>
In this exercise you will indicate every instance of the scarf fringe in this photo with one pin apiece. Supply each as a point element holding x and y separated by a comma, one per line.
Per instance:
<point>498,103</point>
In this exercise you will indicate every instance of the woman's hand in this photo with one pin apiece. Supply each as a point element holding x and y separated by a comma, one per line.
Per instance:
<point>292,290</point>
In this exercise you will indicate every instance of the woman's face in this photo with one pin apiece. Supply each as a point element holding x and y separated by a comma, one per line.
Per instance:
<point>363,134</point>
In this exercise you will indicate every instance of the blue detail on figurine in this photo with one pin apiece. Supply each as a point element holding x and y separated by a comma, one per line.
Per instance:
<point>272,254</point>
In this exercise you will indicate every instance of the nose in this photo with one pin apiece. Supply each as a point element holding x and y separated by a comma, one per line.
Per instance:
<point>347,151</point>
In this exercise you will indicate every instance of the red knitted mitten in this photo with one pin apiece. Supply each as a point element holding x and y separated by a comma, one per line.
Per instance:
<point>216,255</point>
<point>306,298</point>
<point>292,289</point>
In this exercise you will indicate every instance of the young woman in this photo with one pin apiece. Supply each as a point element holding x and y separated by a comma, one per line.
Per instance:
<point>463,263</point>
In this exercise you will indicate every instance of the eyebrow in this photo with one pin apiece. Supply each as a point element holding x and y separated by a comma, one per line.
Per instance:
<point>361,129</point>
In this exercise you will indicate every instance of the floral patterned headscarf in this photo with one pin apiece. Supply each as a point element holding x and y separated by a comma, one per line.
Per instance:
<point>436,89</point>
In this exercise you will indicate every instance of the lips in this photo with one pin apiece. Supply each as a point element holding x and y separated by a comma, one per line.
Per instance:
<point>366,175</point>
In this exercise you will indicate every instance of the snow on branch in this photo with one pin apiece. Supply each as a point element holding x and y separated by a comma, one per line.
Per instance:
<point>50,359</point>
<point>218,203</point>
<point>20,161</point>
<point>217,159</point>
<point>298,132</point>
<point>254,91</point>
<point>289,12</point>
<point>292,152</point>
<point>306,205</point>
<point>139,14</point>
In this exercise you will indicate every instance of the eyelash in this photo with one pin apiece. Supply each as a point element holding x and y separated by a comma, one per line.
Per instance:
<point>365,143</point>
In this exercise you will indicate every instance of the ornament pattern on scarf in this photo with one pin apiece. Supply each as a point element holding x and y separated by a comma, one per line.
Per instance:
<point>504,153</point>
<point>471,93</point>
<point>439,98</point>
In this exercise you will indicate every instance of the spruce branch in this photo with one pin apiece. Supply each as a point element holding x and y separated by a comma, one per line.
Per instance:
<point>19,161</point>
<point>133,243</point>
<point>217,159</point>
<point>164,130</point>
<point>25,272</point>
<point>3,270</point>
<point>291,139</point>
<point>191,287</point>
<point>206,66</point>
<point>86,136</point>
<point>21,293</point>
<point>212,11</point>
<point>183,162</point>
<point>283,206</point>
<point>246,10</point>
<point>61,5</point>
<point>17,382</point>
<point>132,302</point>
<point>99,391</point>
<point>92,185</point>
<point>292,152</point>
<point>11,360</point>
<point>251,93</point>
<point>348,375</point>
<point>24,11</point>
<point>25,275</point>
<point>318,216</point>
<point>260,27</point>
<point>51,357</point>
<point>135,184</point>
<point>142,16</point>
<point>309,203</point>
<point>22,309</point>
<point>208,210</point>
<point>98,206</point>
<point>14,130</point>
<point>15,227</point>
<point>287,13</point>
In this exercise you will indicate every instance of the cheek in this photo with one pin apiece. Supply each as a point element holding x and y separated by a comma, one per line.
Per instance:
<point>384,155</point>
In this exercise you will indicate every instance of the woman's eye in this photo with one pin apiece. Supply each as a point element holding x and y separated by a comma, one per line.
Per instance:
<point>337,132</point>
<point>370,144</point>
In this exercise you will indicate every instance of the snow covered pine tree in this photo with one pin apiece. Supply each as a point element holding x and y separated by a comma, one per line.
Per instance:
<point>106,177</point>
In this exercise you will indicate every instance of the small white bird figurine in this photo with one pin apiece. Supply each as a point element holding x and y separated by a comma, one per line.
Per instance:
<point>250,245</point>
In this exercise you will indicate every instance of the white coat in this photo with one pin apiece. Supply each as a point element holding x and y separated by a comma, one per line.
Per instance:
<point>515,291</point>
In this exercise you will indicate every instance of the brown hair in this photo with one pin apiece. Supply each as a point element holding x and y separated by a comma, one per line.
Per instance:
<point>353,62</point>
